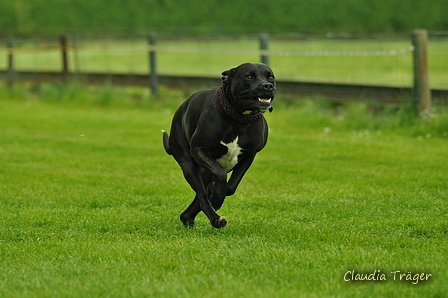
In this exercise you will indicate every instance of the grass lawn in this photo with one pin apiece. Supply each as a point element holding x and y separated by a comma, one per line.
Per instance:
<point>89,204</point>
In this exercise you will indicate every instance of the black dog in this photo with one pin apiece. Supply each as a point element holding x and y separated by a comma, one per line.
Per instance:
<point>219,130</point>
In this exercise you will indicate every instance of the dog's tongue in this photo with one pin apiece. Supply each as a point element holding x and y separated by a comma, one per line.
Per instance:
<point>264,99</point>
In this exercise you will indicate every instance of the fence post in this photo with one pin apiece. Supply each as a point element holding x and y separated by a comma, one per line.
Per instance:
<point>153,83</point>
<point>264,40</point>
<point>422,93</point>
<point>63,44</point>
<point>10,64</point>
<point>75,52</point>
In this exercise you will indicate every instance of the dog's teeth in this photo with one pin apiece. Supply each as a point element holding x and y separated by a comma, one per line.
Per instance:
<point>264,99</point>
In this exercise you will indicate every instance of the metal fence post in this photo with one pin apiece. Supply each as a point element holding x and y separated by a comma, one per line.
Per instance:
<point>10,64</point>
<point>264,40</point>
<point>63,44</point>
<point>153,83</point>
<point>422,93</point>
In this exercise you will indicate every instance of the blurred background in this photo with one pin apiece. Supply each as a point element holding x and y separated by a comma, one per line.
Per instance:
<point>348,42</point>
<point>51,17</point>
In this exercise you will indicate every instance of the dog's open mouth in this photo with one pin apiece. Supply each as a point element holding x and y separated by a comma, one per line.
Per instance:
<point>261,102</point>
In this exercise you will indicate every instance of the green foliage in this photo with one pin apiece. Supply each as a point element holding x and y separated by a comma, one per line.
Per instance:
<point>77,93</point>
<point>368,118</point>
<point>90,201</point>
<point>231,16</point>
<point>316,113</point>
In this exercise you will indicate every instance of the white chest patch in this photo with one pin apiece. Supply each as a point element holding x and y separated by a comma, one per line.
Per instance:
<point>230,159</point>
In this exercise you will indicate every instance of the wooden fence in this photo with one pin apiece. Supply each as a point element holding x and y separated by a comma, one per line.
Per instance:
<point>420,92</point>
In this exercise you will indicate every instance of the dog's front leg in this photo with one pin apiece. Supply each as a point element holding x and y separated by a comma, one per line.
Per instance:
<point>237,174</point>
<point>216,190</point>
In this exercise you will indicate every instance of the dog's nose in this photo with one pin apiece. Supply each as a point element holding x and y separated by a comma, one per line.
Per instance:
<point>268,86</point>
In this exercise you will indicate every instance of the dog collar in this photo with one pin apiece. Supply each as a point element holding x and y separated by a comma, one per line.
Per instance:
<point>230,111</point>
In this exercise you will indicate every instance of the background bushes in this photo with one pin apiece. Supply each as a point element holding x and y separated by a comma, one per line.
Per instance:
<point>24,17</point>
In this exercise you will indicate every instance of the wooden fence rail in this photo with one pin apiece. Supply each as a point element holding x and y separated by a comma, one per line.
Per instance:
<point>420,92</point>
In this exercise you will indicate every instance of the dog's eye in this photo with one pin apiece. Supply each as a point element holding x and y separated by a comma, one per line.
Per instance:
<point>271,78</point>
<point>249,77</point>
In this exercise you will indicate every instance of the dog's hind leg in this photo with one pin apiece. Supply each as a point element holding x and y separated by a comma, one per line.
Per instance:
<point>187,217</point>
<point>193,176</point>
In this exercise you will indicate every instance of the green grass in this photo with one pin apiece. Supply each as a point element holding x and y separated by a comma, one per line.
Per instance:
<point>129,56</point>
<point>89,202</point>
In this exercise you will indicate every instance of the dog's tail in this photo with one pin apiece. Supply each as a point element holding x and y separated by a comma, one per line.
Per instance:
<point>166,143</point>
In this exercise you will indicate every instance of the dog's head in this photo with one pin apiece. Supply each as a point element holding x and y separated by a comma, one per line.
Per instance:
<point>252,86</point>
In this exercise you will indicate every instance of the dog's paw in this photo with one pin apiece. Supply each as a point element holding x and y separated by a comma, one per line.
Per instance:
<point>188,223</point>
<point>220,222</point>
<point>215,196</point>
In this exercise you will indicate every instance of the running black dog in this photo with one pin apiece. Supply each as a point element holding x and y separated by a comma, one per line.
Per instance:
<point>219,130</point>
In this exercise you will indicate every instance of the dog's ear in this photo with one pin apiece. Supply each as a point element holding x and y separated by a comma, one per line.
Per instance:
<point>226,75</point>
